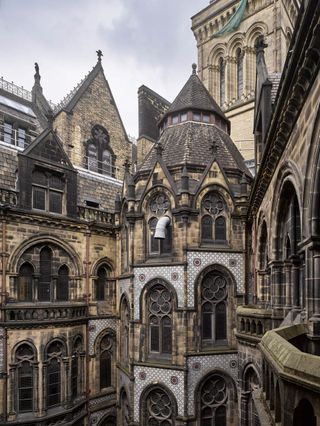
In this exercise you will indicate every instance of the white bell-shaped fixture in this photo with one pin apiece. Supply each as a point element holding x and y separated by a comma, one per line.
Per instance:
<point>160,232</point>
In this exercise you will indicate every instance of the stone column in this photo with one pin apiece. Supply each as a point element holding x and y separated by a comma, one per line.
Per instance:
<point>276,277</point>
<point>245,396</point>
<point>288,284</point>
<point>316,294</point>
<point>295,276</point>
<point>66,382</point>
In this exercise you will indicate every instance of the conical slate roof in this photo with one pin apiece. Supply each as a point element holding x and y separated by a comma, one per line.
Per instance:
<point>194,95</point>
<point>191,143</point>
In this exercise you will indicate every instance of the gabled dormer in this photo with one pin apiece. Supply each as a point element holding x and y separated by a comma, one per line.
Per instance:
<point>46,178</point>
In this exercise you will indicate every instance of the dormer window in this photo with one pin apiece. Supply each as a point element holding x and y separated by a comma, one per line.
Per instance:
<point>47,191</point>
<point>99,155</point>
<point>196,116</point>
<point>175,119</point>
<point>184,116</point>
<point>206,118</point>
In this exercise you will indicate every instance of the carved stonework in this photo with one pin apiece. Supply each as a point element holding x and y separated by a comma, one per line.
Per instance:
<point>159,204</point>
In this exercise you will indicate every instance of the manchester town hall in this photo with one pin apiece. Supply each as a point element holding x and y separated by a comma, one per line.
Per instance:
<point>174,279</point>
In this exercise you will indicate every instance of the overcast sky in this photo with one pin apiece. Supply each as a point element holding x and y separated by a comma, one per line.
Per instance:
<point>143,42</point>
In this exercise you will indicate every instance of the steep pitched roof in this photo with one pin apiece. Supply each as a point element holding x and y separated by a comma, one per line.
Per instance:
<point>69,101</point>
<point>191,143</point>
<point>194,95</point>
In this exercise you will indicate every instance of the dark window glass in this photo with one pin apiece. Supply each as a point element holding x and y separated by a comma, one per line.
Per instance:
<point>101,283</point>
<point>206,118</point>
<point>56,182</point>
<point>196,116</point>
<point>25,283</point>
<point>160,323</point>
<point>183,116</point>
<point>39,178</point>
<point>53,383</point>
<point>45,274</point>
<point>25,387</point>
<point>166,335</point>
<point>92,158</point>
<point>222,81</point>
<point>106,163</point>
<point>8,133</point>
<point>221,321</point>
<point>55,202</point>
<point>213,308</point>
<point>206,228</point>
<point>220,229</point>
<point>212,401</point>
<point>166,244</point>
<point>62,291</point>
<point>74,376</point>
<point>39,198</point>
<point>175,119</point>
<point>154,243</point>
<point>105,370</point>
<point>21,137</point>
<point>239,73</point>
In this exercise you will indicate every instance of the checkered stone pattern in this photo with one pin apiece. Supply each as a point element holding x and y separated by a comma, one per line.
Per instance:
<point>101,399</point>
<point>206,364</point>
<point>172,274</point>
<point>161,376</point>
<point>197,261</point>
<point>97,416</point>
<point>95,328</point>
<point>124,287</point>
<point>2,343</point>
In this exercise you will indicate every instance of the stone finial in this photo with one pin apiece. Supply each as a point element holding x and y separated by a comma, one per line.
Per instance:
<point>100,54</point>
<point>127,165</point>
<point>37,76</point>
<point>159,149</point>
<point>50,117</point>
<point>260,45</point>
<point>194,69</point>
<point>214,148</point>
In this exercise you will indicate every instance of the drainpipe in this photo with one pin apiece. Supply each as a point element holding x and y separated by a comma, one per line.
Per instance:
<point>160,232</point>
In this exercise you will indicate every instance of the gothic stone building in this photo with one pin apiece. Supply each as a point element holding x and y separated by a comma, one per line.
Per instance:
<point>180,291</point>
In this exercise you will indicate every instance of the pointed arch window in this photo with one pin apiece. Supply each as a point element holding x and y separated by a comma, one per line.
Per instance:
<point>124,348</point>
<point>159,301</point>
<point>239,59</point>
<point>99,155</point>
<point>159,246</point>
<point>45,278</point>
<point>62,290</point>
<point>222,81</point>
<point>55,353</point>
<point>159,408</point>
<point>213,402</point>
<point>106,350</point>
<point>103,275</point>
<point>214,308</point>
<point>76,368</point>
<point>25,283</point>
<point>213,222</point>
<point>25,358</point>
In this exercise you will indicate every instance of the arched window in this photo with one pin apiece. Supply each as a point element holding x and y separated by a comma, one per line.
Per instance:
<point>220,229</point>
<point>76,378</point>
<point>124,347</point>
<point>158,409</point>
<point>213,402</point>
<point>106,163</point>
<point>159,302</point>
<point>159,246</point>
<point>106,351</point>
<point>25,281</point>
<point>251,383</point>
<point>239,59</point>
<point>63,283</point>
<point>92,157</point>
<point>124,409</point>
<point>103,274</point>
<point>55,353</point>
<point>45,278</point>
<point>214,308</point>
<point>25,359</point>
<point>206,228</point>
<point>222,81</point>
<point>213,222</point>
